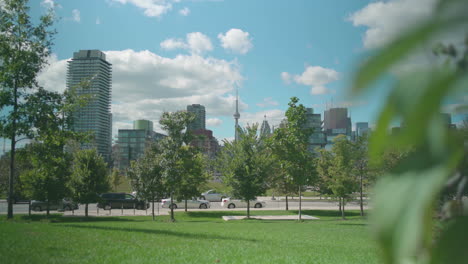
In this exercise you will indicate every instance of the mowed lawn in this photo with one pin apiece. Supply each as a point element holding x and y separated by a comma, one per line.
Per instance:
<point>196,237</point>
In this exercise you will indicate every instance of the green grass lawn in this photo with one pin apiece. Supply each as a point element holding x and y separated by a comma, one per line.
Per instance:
<point>196,237</point>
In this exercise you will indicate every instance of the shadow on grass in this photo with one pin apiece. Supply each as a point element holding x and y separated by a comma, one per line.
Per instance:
<point>326,213</point>
<point>352,224</point>
<point>159,232</point>
<point>58,218</point>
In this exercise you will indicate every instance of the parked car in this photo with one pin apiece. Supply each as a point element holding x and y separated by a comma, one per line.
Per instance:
<point>65,204</point>
<point>18,198</point>
<point>193,203</point>
<point>121,200</point>
<point>238,203</point>
<point>213,196</point>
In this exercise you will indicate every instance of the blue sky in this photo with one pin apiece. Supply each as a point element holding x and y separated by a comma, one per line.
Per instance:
<point>170,53</point>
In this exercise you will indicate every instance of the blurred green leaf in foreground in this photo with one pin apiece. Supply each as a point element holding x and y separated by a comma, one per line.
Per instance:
<point>406,217</point>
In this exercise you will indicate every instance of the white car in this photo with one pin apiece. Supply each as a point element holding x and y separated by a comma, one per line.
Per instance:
<point>237,203</point>
<point>212,196</point>
<point>202,204</point>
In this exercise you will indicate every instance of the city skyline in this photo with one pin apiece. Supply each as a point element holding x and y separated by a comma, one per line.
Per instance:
<point>178,57</point>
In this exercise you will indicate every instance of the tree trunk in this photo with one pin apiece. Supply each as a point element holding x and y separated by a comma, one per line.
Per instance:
<point>300,203</point>
<point>339,204</point>
<point>172,208</point>
<point>342,211</point>
<point>287,205</point>
<point>48,211</point>
<point>185,205</point>
<point>86,210</point>
<point>361,201</point>
<point>248,209</point>
<point>13,151</point>
<point>152,210</point>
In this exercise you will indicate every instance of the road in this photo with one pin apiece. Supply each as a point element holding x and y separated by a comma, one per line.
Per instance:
<point>279,204</point>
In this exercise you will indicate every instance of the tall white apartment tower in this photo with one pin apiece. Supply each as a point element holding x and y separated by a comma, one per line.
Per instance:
<point>95,117</point>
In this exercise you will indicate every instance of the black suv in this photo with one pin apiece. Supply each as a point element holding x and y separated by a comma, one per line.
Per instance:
<point>121,200</point>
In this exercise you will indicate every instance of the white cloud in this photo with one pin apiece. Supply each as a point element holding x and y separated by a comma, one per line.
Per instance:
<point>286,77</point>
<point>236,41</point>
<point>196,43</point>
<point>145,84</point>
<point>316,90</point>
<point>48,3</point>
<point>273,117</point>
<point>98,21</point>
<point>385,20</point>
<point>151,8</point>
<point>53,77</point>
<point>76,15</point>
<point>214,122</point>
<point>184,11</point>
<point>267,102</point>
<point>315,76</point>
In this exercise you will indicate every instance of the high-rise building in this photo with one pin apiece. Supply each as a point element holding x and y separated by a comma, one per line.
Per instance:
<point>205,141</point>
<point>131,143</point>
<point>337,118</point>
<point>318,137</point>
<point>200,115</point>
<point>95,117</point>
<point>362,128</point>
<point>236,118</point>
<point>265,130</point>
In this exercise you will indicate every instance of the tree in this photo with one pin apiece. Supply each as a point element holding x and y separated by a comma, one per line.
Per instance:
<point>289,144</point>
<point>404,203</point>
<point>89,177</point>
<point>24,49</point>
<point>342,180</point>
<point>48,178</point>
<point>175,124</point>
<point>146,175</point>
<point>361,167</point>
<point>115,179</point>
<point>192,168</point>
<point>323,163</point>
<point>245,165</point>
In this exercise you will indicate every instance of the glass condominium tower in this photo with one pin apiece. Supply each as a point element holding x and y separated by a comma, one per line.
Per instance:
<point>95,117</point>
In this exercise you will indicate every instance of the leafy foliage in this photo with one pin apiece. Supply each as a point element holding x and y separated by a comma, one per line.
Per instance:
<point>404,203</point>
<point>245,165</point>
<point>289,145</point>
<point>89,177</point>
<point>24,49</point>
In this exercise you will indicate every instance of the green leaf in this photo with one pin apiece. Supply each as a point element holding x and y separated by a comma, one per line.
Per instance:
<point>404,207</point>
<point>452,245</point>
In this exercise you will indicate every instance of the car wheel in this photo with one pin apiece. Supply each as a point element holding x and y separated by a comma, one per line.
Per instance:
<point>139,207</point>
<point>203,206</point>
<point>107,207</point>
<point>258,205</point>
<point>37,208</point>
<point>173,206</point>
<point>231,206</point>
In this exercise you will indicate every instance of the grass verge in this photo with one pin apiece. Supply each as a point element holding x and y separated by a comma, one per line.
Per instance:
<point>196,237</point>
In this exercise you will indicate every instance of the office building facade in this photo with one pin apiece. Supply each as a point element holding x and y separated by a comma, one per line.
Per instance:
<point>95,117</point>
<point>200,116</point>
<point>318,137</point>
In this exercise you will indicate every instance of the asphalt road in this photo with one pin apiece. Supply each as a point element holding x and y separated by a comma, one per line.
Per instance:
<point>215,206</point>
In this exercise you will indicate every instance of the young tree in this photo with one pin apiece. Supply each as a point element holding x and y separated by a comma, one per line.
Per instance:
<point>246,165</point>
<point>289,144</point>
<point>146,175</point>
<point>24,48</point>
<point>192,167</point>
<point>89,177</point>
<point>116,179</point>
<point>361,167</point>
<point>342,180</point>
<point>175,124</point>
